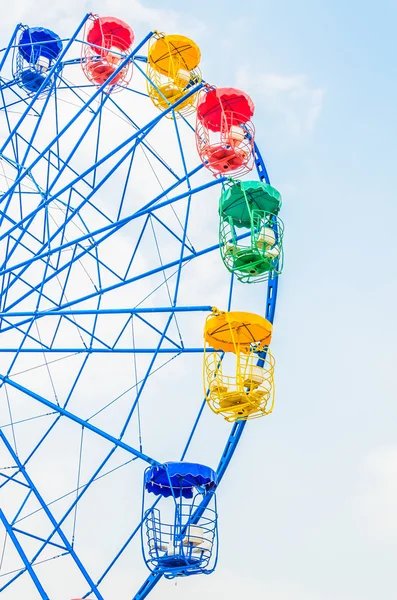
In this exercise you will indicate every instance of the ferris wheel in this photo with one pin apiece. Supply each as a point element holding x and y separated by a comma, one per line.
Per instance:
<point>136,216</point>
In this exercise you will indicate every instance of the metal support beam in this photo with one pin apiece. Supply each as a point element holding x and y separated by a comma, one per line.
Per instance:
<point>105,311</point>
<point>76,419</point>
<point>148,585</point>
<point>23,556</point>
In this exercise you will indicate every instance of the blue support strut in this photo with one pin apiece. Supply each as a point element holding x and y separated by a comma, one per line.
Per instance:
<point>58,409</point>
<point>23,556</point>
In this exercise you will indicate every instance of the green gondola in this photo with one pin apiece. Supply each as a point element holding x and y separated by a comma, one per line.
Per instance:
<point>257,254</point>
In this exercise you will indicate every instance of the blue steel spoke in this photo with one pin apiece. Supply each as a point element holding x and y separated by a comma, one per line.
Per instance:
<point>77,420</point>
<point>151,364</point>
<point>56,271</point>
<point>96,350</point>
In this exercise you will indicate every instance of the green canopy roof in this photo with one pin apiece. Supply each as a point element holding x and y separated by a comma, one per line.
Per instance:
<point>245,196</point>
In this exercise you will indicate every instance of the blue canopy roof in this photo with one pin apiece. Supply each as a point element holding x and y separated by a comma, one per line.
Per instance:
<point>31,44</point>
<point>179,478</point>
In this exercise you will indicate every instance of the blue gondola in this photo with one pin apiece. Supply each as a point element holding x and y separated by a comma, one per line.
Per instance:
<point>180,540</point>
<point>38,49</point>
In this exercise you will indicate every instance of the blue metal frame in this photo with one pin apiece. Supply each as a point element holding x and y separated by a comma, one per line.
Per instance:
<point>38,254</point>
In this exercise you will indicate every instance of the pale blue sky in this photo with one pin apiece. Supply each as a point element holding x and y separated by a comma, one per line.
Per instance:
<point>308,507</point>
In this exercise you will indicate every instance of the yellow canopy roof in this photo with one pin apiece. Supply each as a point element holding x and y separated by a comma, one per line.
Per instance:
<point>174,51</point>
<point>237,331</point>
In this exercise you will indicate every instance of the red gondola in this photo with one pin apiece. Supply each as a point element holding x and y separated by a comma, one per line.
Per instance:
<point>224,132</point>
<point>109,40</point>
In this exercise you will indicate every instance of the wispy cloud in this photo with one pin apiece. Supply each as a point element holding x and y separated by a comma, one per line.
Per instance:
<point>64,17</point>
<point>290,98</point>
<point>157,18</point>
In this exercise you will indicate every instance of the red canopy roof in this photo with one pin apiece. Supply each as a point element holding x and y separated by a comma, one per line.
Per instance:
<point>110,32</point>
<point>236,106</point>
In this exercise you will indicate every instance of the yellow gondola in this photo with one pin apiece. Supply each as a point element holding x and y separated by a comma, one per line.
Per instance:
<point>241,388</point>
<point>172,70</point>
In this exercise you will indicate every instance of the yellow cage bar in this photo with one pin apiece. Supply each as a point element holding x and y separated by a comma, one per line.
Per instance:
<point>248,393</point>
